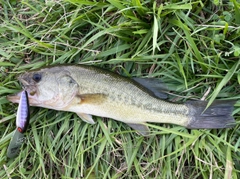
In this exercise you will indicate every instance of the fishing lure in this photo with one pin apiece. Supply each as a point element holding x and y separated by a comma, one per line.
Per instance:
<point>22,121</point>
<point>23,113</point>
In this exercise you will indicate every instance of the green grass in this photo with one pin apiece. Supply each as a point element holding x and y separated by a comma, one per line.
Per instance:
<point>194,45</point>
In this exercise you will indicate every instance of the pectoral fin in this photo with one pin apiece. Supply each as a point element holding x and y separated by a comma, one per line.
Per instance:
<point>86,118</point>
<point>140,128</point>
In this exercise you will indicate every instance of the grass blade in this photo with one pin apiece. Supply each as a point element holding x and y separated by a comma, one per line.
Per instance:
<point>223,82</point>
<point>155,34</point>
<point>192,44</point>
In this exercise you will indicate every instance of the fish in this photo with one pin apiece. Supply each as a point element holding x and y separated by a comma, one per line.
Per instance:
<point>91,91</point>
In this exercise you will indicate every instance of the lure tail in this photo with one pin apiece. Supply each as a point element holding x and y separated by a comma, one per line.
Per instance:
<point>218,115</point>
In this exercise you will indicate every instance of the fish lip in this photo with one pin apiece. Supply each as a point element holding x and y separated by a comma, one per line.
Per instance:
<point>24,83</point>
<point>15,98</point>
<point>31,89</point>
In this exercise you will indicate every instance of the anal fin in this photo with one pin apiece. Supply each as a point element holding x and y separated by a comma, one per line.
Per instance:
<point>86,118</point>
<point>140,128</point>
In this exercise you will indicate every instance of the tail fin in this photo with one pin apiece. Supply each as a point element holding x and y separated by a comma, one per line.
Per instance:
<point>218,115</point>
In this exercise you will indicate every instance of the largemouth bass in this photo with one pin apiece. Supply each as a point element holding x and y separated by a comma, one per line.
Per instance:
<point>87,91</point>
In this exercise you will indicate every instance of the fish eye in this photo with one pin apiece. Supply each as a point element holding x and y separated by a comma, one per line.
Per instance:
<point>37,77</point>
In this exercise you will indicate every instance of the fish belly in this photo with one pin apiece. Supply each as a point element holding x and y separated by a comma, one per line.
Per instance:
<point>134,113</point>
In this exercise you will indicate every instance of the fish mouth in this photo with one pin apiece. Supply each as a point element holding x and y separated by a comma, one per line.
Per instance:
<point>27,85</point>
<point>23,82</point>
<point>31,90</point>
<point>15,98</point>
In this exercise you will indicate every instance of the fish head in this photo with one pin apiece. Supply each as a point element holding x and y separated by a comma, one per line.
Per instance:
<point>48,87</point>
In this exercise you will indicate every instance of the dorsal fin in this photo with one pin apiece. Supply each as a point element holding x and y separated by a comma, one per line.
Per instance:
<point>156,86</point>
